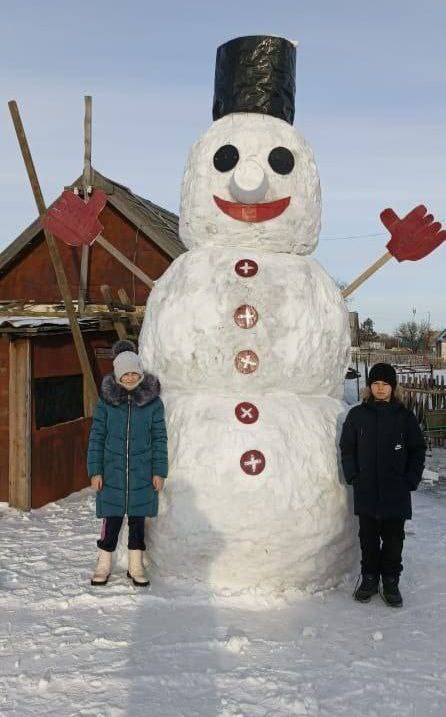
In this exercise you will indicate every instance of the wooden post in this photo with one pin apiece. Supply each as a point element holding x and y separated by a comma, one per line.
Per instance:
<point>117,322</point>
<point>354,327</point>
<point>86,180</point>
<point>20,424</point>
<point>354,339</point>
<point>87,142</point>
<point>91,394</point>
<point>133,319</point>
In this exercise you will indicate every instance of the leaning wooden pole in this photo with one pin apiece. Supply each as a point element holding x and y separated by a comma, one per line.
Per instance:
<point>91,393</point>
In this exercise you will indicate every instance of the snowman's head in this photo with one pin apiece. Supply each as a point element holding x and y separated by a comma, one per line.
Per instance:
<point>251,181</point>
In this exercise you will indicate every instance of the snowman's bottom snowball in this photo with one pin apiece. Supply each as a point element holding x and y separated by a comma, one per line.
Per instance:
<point>291,525</point>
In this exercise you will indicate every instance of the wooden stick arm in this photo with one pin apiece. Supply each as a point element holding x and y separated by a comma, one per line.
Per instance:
<point>366,274</point>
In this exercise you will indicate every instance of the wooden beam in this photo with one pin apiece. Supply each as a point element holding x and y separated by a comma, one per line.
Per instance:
<point>86,180</point>
<point>20,424</point>
<point>117,321</point>
<point>63,314</point>
<point>124,261</point>
<point>91,393</point>
<point>133,319</point>
<point>83,278</point>
<point>87,142</point>
<point>91,312</point>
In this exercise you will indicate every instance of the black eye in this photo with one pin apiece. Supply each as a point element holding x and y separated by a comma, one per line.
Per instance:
<point>226,158</point>
<point>281,160</point>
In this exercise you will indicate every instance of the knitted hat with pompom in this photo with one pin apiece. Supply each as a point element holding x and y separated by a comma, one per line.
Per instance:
<point>125,359</point>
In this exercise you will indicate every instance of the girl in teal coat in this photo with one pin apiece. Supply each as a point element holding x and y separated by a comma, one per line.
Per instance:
<point>127,458</point>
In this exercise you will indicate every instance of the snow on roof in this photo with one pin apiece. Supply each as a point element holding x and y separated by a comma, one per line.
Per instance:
<point>43,325</point>
<point>28,321</point>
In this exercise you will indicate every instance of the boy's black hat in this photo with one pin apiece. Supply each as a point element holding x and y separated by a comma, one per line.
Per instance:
<point>382,372</point>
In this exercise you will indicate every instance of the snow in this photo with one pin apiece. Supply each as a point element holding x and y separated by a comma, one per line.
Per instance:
<point>216,523</point>
<point>290,523</point>
<point>189,336</point>
<point>177,649</point>
<point>29,321</point>
<point>202,223</point>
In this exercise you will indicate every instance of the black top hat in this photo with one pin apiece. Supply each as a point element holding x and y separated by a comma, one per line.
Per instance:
<point>255,74</point>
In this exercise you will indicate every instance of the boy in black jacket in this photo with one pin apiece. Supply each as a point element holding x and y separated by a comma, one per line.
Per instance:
<point>383,453</point>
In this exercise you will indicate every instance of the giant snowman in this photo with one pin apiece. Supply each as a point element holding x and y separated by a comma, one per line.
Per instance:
<point>250,339</point>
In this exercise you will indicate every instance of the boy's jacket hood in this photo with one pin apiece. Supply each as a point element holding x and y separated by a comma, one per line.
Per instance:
<point>115,394</point>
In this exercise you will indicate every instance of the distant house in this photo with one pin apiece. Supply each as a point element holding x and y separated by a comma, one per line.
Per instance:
<point>440,345</point>
<point>43,426</point>
<point>373,345</point>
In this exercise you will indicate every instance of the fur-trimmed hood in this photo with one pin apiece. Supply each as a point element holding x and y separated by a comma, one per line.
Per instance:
<point>115,394</point>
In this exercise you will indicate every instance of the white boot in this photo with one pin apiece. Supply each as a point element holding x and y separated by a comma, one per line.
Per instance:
<point>136,569</point>
<point>103,568</point>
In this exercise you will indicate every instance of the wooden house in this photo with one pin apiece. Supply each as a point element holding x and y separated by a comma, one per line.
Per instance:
<point>43,426</point>
<point>440,345</point>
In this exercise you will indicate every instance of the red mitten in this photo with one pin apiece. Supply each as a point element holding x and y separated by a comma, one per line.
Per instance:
<point>74,222</point>
<point>414,236</point>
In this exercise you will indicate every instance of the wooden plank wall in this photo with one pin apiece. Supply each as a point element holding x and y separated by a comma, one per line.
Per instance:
<point>32,277</point>
<point>59,455</point>
<point>20,424</point>
<point>59,452</point>
<point>4,419</point>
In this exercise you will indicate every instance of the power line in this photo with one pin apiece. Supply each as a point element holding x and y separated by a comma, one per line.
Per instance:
<point>355,236</point>
<point>364,236</point>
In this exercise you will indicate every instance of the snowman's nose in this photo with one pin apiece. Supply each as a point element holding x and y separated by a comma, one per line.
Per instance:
<point>249,182</point>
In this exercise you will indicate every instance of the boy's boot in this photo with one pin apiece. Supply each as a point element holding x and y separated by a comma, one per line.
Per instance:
<point>136,569</point>
<point>103,568</point>
<point>391,593</point>
<point>368,587</point>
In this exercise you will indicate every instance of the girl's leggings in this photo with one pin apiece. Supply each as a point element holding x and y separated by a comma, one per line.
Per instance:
<point>110,533</point>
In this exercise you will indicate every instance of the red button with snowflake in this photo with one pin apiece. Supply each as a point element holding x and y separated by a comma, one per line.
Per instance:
<point>246,268</point>
<point>252,462</point>
<point>246,412</point>
<point>246,361</point>
<point>246,316</point>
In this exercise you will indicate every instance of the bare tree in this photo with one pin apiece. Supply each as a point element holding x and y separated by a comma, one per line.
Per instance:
<point>343,285</point>
<point>413,335</point>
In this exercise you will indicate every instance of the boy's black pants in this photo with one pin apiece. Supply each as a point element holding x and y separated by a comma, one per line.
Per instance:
<point>381,545</point>
<point>110,533</point>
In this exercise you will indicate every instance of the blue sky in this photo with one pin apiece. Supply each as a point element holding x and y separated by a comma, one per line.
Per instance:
<point>370,100</point>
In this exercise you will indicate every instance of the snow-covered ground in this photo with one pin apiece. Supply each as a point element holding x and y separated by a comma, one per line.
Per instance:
<point>70,649</point>
<point>67,648</point>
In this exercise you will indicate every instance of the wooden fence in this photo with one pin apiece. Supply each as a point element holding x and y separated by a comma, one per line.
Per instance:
<point>424,394</point>
<point>412,362</point>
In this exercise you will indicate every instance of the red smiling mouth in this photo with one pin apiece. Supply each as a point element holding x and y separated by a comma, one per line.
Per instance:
<point>252,212</point>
